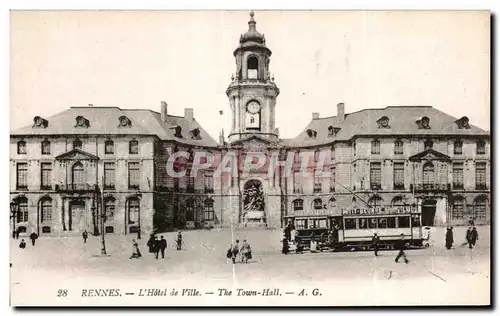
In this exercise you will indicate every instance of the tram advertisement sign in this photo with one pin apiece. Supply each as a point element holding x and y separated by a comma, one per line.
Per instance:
<point>378,210</point>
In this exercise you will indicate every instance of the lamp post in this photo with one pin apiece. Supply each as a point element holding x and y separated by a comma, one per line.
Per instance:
<point>139,217</point>
<point>14,210</point>
<point>103,218</point>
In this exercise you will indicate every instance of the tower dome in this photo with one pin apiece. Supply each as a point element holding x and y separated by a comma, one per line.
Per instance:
<point>252,38</point>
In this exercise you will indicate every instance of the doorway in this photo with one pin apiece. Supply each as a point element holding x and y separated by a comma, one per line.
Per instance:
<point>78,216</point>
<point>428,212</point>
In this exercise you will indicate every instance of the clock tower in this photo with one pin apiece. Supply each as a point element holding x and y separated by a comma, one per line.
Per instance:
<point>252,92</point>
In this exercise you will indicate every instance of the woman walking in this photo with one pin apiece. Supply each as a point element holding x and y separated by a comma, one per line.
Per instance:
<point>449,238</point>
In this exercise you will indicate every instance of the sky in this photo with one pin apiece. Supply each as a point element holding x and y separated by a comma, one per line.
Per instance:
<point>136,59</point>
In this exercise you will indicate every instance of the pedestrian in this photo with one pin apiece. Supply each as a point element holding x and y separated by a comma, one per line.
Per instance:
<point>314,245</point>
<point>472,237</point>
<point>288,231</point>
<point>235,249</point>
<point>285,246</point>
<point>22,245</point>
<point>246,252</point>
<point>14,233</point>
<point>18,231</point>
<point>375,243</point>
<point>156,247</point>
<point>85,235</point>
<point>163,246</point>
<point>179,240</point>
<point>136,253</point>
<point>33,238</point>
<point>298,243</point>
<point>151,243</point>
<point>449,238</point>
<point>401,247</point>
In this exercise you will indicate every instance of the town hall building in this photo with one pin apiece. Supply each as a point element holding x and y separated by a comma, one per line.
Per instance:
<point>72,170</point>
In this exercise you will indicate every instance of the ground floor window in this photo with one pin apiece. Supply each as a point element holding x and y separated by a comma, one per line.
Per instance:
<point>458,208</point>
<point>209,213</point>
<point>480,208</point>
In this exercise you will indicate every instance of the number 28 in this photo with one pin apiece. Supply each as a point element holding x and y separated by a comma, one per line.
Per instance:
<point>62,293</point>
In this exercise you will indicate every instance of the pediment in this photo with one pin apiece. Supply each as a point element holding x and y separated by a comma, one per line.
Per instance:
<point>254,143</point>
<point>430,154</point>
<point>77,154</point>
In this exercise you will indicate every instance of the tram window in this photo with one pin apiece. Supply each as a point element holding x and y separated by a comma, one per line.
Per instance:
<point>403,221</point>
<point>372,223</point>
<point>300,223</point>
<point>391,222</point>
<point>350,223</point>
<point>415,220</point>
<point>321,223</point>
<point>363,223</point>
<point>382,223</point>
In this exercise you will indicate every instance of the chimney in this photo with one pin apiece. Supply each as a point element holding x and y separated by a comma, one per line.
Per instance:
<point>315,115</point>
<point>188,114</point>
<point>163,111</point>
<point>341,112</point>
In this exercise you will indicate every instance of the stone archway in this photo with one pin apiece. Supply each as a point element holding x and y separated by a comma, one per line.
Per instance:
<point>253,204</point>
<point>428,212</point>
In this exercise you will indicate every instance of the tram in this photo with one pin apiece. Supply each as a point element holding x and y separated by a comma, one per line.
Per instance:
<point>355,228</point>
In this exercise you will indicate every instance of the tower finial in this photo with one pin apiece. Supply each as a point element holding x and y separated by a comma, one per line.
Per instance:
<point>252,14</point>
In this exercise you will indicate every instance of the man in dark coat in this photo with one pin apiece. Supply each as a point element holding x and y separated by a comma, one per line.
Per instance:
<point>449,238</point>
<point>151,243</point>
<point>33,238</point>
<point>285,246</point>
<point>163,246</point>
<point>288,231</point>
<point>22,245</point>
<point>401,247</point>
<point>179,240</point>
<point>472,237</point>
<point>85,236</point>
<point>156,247</point>
<point>375,243</point>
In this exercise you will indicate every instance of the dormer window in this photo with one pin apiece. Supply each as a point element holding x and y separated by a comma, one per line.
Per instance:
<point>463,123</point>
<point>332,131</point>
<point>82,122</point>
<point>195,134</point>
<point>39,122</point>
<point>124,121</point>
<point>423,123</point>
<point>383,122</point>
<point>311,133</point>
<point>77,144</point>
<point>428,144</point>
<point>178,131</point>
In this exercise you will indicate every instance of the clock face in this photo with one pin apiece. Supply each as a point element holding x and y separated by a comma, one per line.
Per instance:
<point>253,107</point>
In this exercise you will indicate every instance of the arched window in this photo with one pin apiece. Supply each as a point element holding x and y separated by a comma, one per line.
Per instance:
<point>317,204</point>
<point>375,201</point>
<point>109,147</point>
<point>45,147</point>
<point>481,206</point>
<point>332,203</point>
<point>22,215</point>
<point>397,202</point>
<point>133,210</point>
<point>458,208</point>
<point>133,147</point>
<point>457,147</point>
<point>428,176</point>
<point>252,67</point>
<point>21,147</point>
<point>298,205</point>
<point>190,210</point>
<point>209,214</point>
<point>109,209</point>
<point>78,175</point>
<point>46,210</point>
<point>481,147</point>
<point>77,144</point>
<point>375,147</point>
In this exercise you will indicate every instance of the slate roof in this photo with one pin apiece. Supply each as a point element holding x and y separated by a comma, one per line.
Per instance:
<point>105,121</point>
<point>402,121</point>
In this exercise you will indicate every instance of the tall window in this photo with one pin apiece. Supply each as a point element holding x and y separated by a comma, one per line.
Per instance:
<point>23,210</point>
<point>22,176</point>
<point>398,147</point>
<point>375,175</point>
<point>133,147</point>
<point>190,180</point>
<point>298,205</point>
<point>481,147</point>
<point>317,204</point>
<point>458,175</point>
<point>109,147</point>
<point>109,209</point>
<point>46,211</point>
<point>428,176</point>
<point>133,210</point>
<point>209,214</point>
<point>21,147</point>
<point>480,207</point>
<point>316,155</point>
<point>77,144</point>
<point>399,175</point>
<point>252,67</point>
<point>332,179</point>
<point>46,171</point>
<point>190,210</point>
<point>480,175</point>
<point>457,147</point>
<point>109,175</point>
<point>296,157</point>
<point>458,208</point>
<point>317,181</point>
<point>209,183</point>
<point>297,184</point>
<point>375,147</point>
<point>78,175</point>
<point>375,201</point>
<point>45,147</point>
<point>133,175</point>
